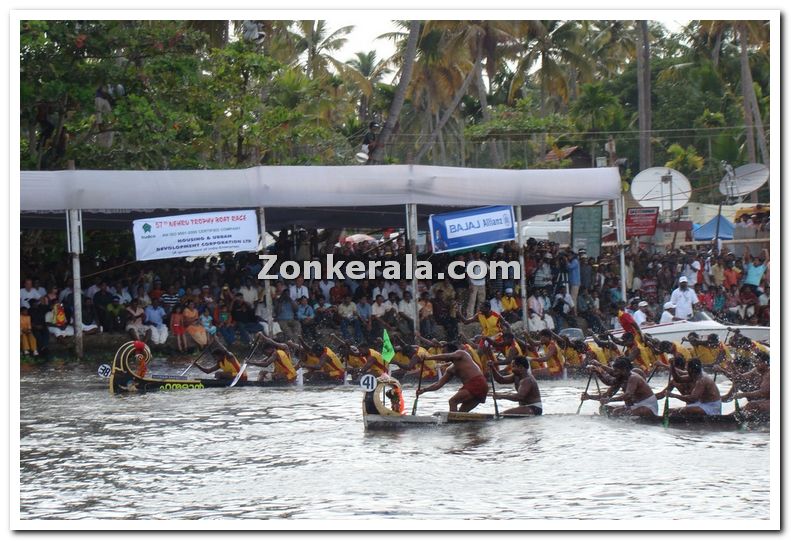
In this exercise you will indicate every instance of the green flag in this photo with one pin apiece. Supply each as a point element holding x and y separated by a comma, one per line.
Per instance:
<point>387,348</point>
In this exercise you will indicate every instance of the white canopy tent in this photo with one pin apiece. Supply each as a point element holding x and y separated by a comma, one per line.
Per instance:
<point>313,186</point>
<point>303,187</point>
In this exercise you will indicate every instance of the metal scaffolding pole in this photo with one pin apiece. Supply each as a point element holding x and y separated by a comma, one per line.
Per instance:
<point>267,285</point>
<point>522,278</point>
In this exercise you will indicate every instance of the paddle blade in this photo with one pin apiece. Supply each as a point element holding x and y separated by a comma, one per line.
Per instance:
<point>239,375</point>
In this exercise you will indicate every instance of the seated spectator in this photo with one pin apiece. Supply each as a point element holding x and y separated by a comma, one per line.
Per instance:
<point>134,322</point>
<point>193,326</point>
<point>244,319</point>
<point>382,316</point>
<point>28,292</point>
<point>365,313</point>
<point>286,315</point>
<point>509,307</point>
<point>347,311</point>
<point>90,324</point>
<point>426,315</point>
<point>306,316</point>
<point>262,315</point>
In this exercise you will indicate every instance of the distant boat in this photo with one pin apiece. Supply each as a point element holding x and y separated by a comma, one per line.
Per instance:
<point>704,326</point>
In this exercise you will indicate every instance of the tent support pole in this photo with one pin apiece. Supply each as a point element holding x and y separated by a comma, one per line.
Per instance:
<point>411,211</point>
<point>717,231</point>
<point>620,229</point>
<point>74,226</point>
<point>267,285</point>
<point>522,278</point>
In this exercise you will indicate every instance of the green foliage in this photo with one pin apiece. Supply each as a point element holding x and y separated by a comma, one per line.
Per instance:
<point>518,122</point>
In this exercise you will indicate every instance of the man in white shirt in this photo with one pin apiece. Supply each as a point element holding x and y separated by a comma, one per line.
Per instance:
<point>249,292</point>
<point>477,287</point>
<point>298,289</point>
<point>684,298</point>
<point>639,315</point>
<point>497,306</point>
<point>669,315</point>
<point>325,286</point>
<point>27,293</point>
<point>534,303</point>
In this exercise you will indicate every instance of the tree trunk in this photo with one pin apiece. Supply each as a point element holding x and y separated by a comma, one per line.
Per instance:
<point>746,87</point>
<point>449,111</point>
<point>497,160</point>
<point>400,93</point>
<point>644,95</point>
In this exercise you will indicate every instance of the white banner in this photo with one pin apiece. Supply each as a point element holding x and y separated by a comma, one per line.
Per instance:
<point>196,234</point>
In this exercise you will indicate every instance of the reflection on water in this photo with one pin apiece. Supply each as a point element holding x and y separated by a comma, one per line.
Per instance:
<point>303,453</point>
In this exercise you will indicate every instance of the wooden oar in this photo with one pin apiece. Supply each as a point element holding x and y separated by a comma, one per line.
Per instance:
<point>666,413</point>
<point>590,377</point>
<point>244,365</point>
<point>494,398</point>
<point>419,383</point>
<point>195,361</point>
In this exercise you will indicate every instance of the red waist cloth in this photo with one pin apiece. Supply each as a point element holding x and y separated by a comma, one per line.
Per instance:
<point>477,387</point>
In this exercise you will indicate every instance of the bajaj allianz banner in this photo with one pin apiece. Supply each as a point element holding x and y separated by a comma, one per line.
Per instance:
<point>472,227</point>
<point>196,234</point>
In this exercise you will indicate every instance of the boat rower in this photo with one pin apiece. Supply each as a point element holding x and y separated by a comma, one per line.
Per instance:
<point>552,356</point>
<point>679,378</point>
<point>527,392</point>
<point>704,399</point>
<point>374,363</point>
<point>278,354</point>
<point>636,352</point>
<point>225,367</point>
<point>637,396</point>
<point>474,387</point>
<point>758,401</point>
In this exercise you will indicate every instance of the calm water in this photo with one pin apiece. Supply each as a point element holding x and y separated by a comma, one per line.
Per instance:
<point>302,453</point>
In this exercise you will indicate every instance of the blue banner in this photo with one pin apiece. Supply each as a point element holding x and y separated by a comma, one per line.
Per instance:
<point>472,227</point>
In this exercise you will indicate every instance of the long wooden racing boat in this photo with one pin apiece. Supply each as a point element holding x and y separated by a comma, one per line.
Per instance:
<point>125,376</point>
<point>731,421</point>
<point>379,415</point>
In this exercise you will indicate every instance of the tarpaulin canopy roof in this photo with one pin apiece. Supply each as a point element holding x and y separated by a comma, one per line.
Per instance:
<point>708,230</point>
<point>318,196</point>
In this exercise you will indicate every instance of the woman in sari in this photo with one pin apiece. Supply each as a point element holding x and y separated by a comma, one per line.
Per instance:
<point>193,325</point>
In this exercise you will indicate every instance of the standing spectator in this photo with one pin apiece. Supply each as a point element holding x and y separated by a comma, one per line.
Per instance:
<point>177,327</point>
<point>754,273</point>
<point>573,267</point>
<point>426,315</point>
<point>28,340</point>
<point>477,289</point>
<point>684,298</point>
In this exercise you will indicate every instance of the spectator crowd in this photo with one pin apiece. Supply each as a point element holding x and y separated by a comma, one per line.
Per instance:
<point>180,304</point>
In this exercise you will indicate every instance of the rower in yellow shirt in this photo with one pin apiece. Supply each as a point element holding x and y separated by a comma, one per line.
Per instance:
<point>226,366</point>
<point>278,354</point>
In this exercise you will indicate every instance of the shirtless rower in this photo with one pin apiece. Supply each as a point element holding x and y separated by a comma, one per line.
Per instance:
<point>758,401</point>
<point>474,387</point>
<point>704,399</point>
<point>637,396</point>
<point>527,393</point>
<point>679,378</point>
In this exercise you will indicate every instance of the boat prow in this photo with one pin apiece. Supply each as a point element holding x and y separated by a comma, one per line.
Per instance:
<point>378,415</point>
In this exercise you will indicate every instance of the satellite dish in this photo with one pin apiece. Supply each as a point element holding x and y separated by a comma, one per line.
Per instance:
<point>744,180</point>
<point>361,157</point>
<point>661,187</point>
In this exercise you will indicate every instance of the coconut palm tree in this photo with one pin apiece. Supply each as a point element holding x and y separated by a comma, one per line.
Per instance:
<point>318,46</point>
<point>365,70</point>
<point>401,89</point>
